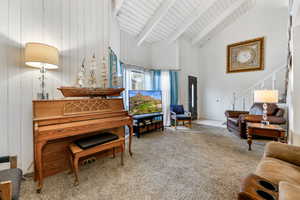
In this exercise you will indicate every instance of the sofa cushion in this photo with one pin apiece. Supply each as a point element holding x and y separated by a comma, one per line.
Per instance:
<point>277,170</point>
<point>288,191</point>
<point>234,120</point>
<point>15,176</point>
<point>183,117</point>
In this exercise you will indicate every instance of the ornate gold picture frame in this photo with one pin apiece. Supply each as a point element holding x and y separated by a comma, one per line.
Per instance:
<point>246,56</point>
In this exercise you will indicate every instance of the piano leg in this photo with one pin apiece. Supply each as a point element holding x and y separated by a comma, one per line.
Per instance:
<point>130,138</point>
<point>76,170</point>
<point>122,154</point>
<point>39,165</point>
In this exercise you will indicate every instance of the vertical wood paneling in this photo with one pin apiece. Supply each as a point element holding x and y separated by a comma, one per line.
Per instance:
<point>27,33</point>
<point>65,49</point>
<point>74,41</point>
<point>4,8</point>
<point>78,28</point>
<point>14,80</point>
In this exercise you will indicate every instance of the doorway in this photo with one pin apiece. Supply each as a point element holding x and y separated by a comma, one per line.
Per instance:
<point>193,108</point>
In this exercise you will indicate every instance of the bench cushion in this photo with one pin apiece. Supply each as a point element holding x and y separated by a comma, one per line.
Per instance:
<point>96,140</point>
<point>15,176</point>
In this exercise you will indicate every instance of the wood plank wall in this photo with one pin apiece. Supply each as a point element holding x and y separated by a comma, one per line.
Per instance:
<point>78,28</point>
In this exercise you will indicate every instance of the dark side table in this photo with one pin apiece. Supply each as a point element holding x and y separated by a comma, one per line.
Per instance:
<point>272,131</point>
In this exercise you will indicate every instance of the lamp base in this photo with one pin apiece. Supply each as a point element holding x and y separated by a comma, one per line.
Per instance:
<point>42,96</point>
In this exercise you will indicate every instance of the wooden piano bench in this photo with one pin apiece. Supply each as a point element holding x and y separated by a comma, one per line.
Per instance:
<point>89,146</point>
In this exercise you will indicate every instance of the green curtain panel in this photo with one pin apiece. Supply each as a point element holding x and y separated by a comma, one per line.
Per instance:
<point>174,87</point>
<point>115,68</point>
<point>156,79</point>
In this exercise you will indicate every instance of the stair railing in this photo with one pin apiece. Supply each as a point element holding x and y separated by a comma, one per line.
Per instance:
<point>276,81</point>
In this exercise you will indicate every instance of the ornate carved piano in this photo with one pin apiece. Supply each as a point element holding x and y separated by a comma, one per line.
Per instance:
<point>57,123</point>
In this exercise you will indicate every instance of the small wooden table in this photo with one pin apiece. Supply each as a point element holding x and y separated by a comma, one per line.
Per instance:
<point>273,131</point>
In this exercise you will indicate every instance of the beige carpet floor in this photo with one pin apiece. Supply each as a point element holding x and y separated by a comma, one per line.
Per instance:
<point>202,163</point>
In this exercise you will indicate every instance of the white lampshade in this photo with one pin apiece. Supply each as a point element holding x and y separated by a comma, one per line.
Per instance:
<point>41,55</point>
<point>266,96</point>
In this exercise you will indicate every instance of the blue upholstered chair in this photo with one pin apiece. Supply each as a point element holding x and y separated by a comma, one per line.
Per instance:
<point>10,179</point>
<point>178,114</point>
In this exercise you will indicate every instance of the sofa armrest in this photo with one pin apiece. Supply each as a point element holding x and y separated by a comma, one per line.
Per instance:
<point>235,114</point>
<point>259,118</point>
<point>288,191</point>
<point>276,120</point>
<point>6,190</point>
<point>251,118</point>
<point>285,152</point>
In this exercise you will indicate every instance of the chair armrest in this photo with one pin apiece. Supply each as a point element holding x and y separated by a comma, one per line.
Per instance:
<point>4,159</point>
<point>6,190</point>
<point>285,152</point>
<point>173,113</point>
<point>11,159</point>
<point>188,113</point>
<point>235,114</point>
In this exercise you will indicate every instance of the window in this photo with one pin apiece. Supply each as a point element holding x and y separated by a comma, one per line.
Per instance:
<point>137,80</point>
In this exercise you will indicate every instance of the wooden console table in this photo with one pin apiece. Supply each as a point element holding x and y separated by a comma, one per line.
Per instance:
<point>272,131</point>
<point>147,122</point>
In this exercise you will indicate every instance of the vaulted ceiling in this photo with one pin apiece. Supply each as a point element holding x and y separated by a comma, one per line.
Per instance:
<point>166,20</point>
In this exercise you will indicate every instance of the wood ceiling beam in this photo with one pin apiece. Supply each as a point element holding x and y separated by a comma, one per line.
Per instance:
<point>118,6</point>
<point>159,14</point>
<point>190,20</point>
<point>218,21</point>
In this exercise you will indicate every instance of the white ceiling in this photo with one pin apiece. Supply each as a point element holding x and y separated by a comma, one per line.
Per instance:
<point>165,20</point>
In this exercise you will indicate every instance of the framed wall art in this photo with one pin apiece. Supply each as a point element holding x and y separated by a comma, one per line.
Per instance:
<point>246,56</point>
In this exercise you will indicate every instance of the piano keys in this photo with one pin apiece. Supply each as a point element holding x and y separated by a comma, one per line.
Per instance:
<point>57,123</point>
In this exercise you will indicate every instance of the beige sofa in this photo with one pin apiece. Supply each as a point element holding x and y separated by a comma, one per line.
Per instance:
<point>281,165</point>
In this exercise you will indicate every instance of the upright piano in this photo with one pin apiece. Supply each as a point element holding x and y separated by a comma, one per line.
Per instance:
<point>57,123</point>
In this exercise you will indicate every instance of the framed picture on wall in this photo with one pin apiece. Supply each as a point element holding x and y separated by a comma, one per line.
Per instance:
<point>246,56</point>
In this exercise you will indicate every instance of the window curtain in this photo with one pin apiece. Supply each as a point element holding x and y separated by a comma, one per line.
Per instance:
<point>166,93</point>
<point>174,87</point>
<point>156,83</point>
<point>115,70</point>
<point>164,80</point>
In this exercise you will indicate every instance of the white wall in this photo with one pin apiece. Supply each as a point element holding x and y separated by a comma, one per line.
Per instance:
<point>165,55</point>
<point>268,19</point>
<point>78,28</point>
<point>294,84</point>
<point>189,66</point>
<point>115,36</point>
<point>133,54</point>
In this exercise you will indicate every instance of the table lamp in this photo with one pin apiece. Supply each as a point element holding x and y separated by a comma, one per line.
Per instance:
<point>265,96</point>
<point>44,57</point>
